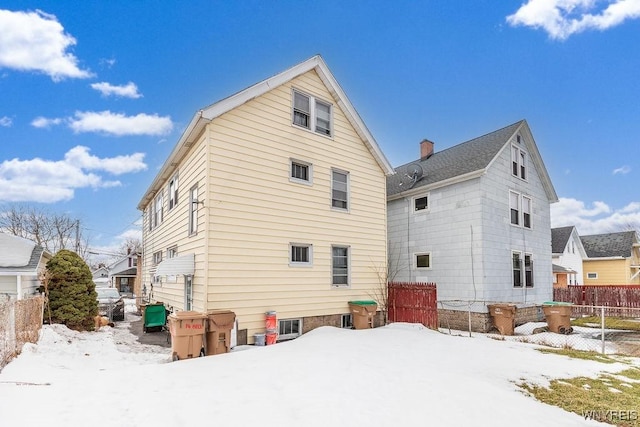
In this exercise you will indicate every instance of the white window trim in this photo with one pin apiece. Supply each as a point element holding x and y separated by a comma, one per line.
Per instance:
<point>298,180</point>
<point>519,161</point>
<point>415,261</point>
<point>193,211</point>
<point>173,195</point>
<point>312,113</point>
<point>348,284</point>
<point>592,278</point>
<point>301,264</point>
<point>521,198</point>
<point>523,269</point>
<point>346,321</point>
<point>421,211</point>
<point>172,251</point>
<point>292,335</point>
<point>157,259</point>
<point>348,208</point>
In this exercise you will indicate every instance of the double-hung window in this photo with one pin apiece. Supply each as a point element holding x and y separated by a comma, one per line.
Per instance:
<point>173,192</point>
<point>522,265</point>
<point>518,162</point>
<point>312,113</point>
<point>339,189</point>
<point>340,265</point>
<point>158,210</point>
<point>157,257</point>
<point>520,209</point>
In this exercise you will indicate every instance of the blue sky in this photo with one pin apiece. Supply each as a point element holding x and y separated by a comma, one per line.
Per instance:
<point>94,95</point>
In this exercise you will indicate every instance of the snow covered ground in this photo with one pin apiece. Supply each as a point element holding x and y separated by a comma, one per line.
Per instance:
<point>399,375</point>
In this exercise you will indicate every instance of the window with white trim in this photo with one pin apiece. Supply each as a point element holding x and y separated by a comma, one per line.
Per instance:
<point>312,113</point>
<point>423,260</point>
<point>193,210</point>
<point>520,209</point>
<point>300,254</point>
<point>289,328</point>
<point>518,162</point>
<point>421,203</point>
<point>172,252</point>
<point>157,257</point>
<point>340,265</point>
<point>522,266</point>
<point>300,172</point>
<point>592,276</point>
<point>346,322</point>
<point>173,192</point>
<point>339,190</point>
<point>158,210</point>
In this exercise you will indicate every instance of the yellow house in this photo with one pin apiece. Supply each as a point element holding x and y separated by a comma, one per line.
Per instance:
<point>272,199</point>
<point>612,259</point>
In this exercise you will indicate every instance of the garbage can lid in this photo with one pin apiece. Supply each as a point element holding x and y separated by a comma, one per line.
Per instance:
<point>363,302</point>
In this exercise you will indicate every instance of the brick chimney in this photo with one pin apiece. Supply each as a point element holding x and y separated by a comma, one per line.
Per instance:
<point>426,149</point>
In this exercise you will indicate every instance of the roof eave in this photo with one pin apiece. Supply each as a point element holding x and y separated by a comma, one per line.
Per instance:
<point>454,180</point>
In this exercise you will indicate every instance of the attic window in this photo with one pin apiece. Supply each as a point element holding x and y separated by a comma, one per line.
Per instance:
<point>420,203</point>
<point>311,113</point>
<point>518,162</point>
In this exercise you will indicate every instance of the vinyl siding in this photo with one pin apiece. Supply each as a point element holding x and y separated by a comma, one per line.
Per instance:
<point>610,272</point>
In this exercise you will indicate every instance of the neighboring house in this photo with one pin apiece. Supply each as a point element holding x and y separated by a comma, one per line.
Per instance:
<point>272,199</point>
<point>612,259</point>
<point>567,255</point>
<point>101,276</point>
<point>21,264</point>
<point>123,274</point>
<point>475,219</point>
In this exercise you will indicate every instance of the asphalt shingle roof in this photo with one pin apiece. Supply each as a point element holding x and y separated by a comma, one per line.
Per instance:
<point>559,238</point>
<point>460,159</point>
<point>609,245</point>
<point>33,262</point>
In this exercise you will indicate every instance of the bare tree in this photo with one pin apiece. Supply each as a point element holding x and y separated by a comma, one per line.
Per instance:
<point>387,273</point>
<point>130,245</point>
<point>52,231</point>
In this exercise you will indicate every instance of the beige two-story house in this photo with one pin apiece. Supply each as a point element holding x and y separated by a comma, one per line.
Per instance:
<point>272,199</point>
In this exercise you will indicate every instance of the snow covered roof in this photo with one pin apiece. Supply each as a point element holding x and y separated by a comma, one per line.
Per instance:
<point>18,253</point>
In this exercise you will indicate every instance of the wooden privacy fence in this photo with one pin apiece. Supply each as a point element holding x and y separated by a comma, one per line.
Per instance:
<point>618,297</point>
<point>413,303</point>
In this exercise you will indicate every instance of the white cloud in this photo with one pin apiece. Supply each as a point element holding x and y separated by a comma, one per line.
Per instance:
<point>130,90</point>
<point>50,181</point>
<point>562,18</point>
<point>6,122</point>
<point>119,124</point>
<point>622,170</point>
<point>107,62</point>
<point>36,41</point>
<point>599,218</point>
<point>44,123</point>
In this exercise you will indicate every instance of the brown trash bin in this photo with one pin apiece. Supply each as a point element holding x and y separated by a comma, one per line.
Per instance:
<point>504,317</point>
<point>362,313</point>
<point>187,330</point>
<point>558,317</point>
<point>219,326</point>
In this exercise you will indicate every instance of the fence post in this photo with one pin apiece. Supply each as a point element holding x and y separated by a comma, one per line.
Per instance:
<point>602,324</point>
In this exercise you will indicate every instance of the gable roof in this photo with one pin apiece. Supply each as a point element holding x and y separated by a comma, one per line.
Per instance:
<point>469,160</point>
<point>560,238</point>
<point>18,255</point>
<point>206,115</point>
<point>610,244</point>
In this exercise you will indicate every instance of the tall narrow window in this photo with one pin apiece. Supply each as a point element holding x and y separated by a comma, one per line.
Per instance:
<point>301,109</point>
<point>323,118</point>
<point>158,210</point>
<point>526,212</point>
<point>339,190</point>
<point>528,271</point>
<point>515,152</point>
<point>518,162</point>
<point>188,292</point>
<point>193,210</point>
<point>523,165</point>
<point>514,204</point>
<point>173,192</point>
<point>517,269</point>
<point>340,265</point>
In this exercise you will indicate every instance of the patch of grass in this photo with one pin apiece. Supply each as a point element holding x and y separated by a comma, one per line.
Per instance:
<point>580,354</point>
<point>609,323</point>
<point>614,399</point>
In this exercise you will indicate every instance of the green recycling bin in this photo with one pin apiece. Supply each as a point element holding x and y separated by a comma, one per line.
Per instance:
<point>362,313</point>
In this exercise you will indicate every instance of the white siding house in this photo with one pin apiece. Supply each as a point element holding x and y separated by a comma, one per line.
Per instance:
<point>567,255</point>
<point>475,220</point>
<point>21,263</point>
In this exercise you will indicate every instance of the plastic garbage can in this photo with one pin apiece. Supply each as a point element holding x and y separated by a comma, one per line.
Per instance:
<point>558,315</point>
<point>362,313</point>
<point>219,326</point>
<point>504,317</point>
<point>259,339</point>
<point>155,317</point>
<point>187,330</point>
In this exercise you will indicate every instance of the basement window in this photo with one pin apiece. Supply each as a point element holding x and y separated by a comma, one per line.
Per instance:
<point>289,329</point>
